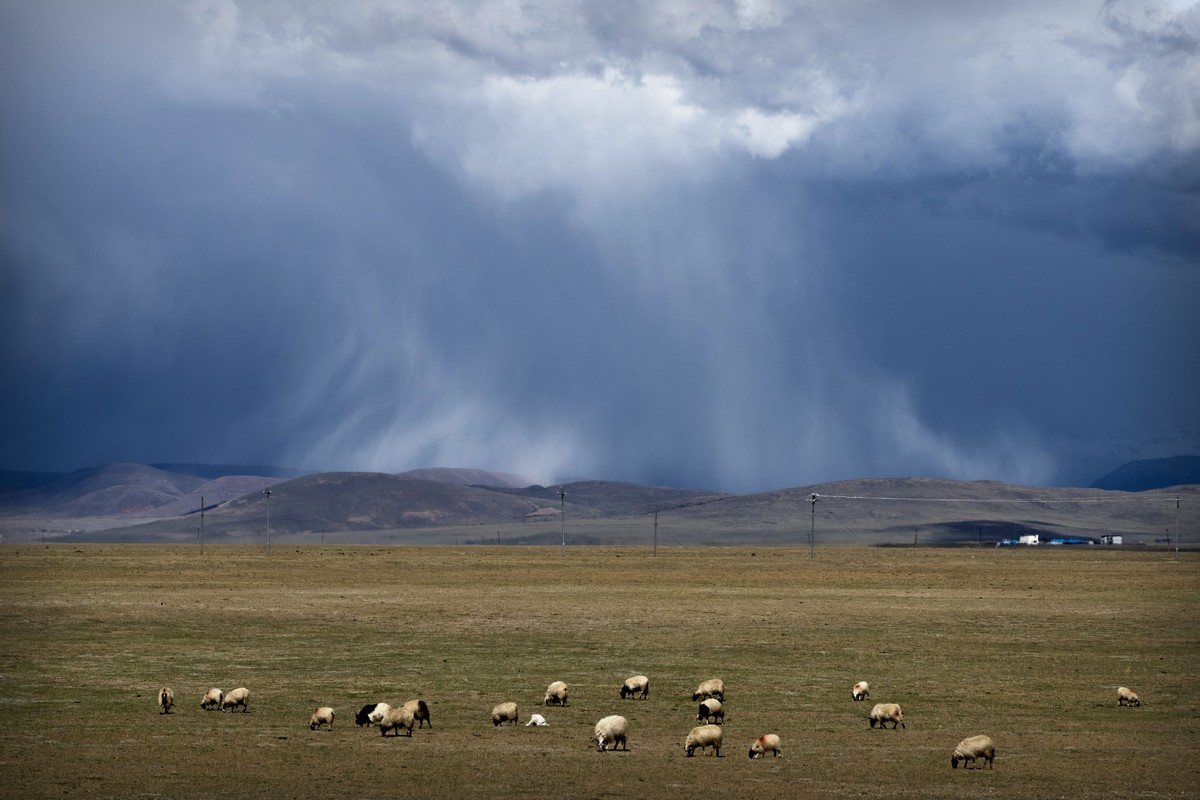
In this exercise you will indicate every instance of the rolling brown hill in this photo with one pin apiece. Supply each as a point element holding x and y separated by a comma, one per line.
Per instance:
<point>138,503</point>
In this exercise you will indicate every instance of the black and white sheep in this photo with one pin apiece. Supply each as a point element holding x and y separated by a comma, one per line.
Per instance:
<point>321,716</point>
<point>166,699</point>
<point>363,717</point>
<point>611,730</point>
<point>1127,697</point>
<point>637,685</point>
<point>420,712</point>
<point>860,691</point>
<point>395,719</point>
<point>713,687</point>
<point>375,715</point>
<point>212,699</point>
<point>974,747</point>
<point>703,737</point>
<point>883,713</point>
<point>556,694</point>
<point>711,710</point>
<point>505,712</point>
<point>763,744</point>
<point>235,698</point>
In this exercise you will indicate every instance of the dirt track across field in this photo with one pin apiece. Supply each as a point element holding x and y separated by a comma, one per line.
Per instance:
<point>1026,645</point>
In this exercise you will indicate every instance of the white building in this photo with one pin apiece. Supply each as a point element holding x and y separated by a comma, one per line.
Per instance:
<point>1109,538</point>
<point>1030,538</point>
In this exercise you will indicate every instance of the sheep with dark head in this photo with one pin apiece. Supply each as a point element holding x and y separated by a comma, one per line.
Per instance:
<point>764,744</point>
<point>556,694</point>
<point>212,699</point>
<point>166,699</point>
<point>504,712</point>
<point>884,713</point>
<point>711,710</point>
<point>638,685</point>
<point>1127,697</point>
<point>972,748</point>
<point>703,737</point>
<point>714,687</point>
<point>321,716</point>
<point>235,698</point>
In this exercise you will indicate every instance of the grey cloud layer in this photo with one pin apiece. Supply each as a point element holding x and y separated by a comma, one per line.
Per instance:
<point>737,245</point>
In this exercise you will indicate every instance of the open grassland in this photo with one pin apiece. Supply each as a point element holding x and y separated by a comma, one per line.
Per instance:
<point>1024,644</point>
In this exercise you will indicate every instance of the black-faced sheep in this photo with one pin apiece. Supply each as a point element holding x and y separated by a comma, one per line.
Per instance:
<point>860,691</point>
<point>420,712</point>
<point>363,717</point>
<point>321,716</point>
<point>212,699</point>
<point>611,730</point>
<point>702,737</point>
<point>235,698</point>
<point>763,744</point>
<point>395,719</point>
<point>556,694</point>
<point>166,699</point>
<point>637,685</point>
<point>711,710</point>
<point>972,748</point>
<point>505,712</point>
<point>883,713</point>
<point>1127,697</point>
<point>714,687</point>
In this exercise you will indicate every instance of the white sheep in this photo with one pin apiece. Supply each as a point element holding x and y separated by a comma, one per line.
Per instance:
<point>711,709</point>
<point>638,684</point>
<point>556,694</point>
<point>420,712</point>
<point>703,737</point>
<point>212,699</point>
<point>1127,697</point>
<point>376,715</point>
<point>860,691</point>
<point>884,713</point>
<point>974,747</point>
<point>714,687</point>
<point>612,730</point>
<point>235,698</point>
<point>166,699</point>
<point>395,719</point>
<point>538,720</point>
<point>764,743</point>
<point>321,716</point>
<point>505,712</point>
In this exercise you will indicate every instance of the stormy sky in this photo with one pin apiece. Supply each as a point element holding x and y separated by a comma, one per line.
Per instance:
<point>737,245</point>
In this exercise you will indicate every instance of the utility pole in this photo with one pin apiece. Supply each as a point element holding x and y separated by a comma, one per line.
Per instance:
<point>656,531</point>
<point>267,492</point>
<point>562,513</point>
<point>1177,532</point>
<point>201,524</point>
<point>812,529</point>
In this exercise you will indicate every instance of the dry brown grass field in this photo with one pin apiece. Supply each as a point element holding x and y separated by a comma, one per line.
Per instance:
<point>1027,645</point>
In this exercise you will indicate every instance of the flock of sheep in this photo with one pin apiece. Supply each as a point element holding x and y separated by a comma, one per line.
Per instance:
<point>612,731</point>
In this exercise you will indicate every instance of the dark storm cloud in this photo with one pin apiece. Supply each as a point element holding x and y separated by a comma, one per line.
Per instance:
<point>741,246</point>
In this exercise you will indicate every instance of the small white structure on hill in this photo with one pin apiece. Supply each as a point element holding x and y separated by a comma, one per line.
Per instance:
<point>1030,538</point>
<point>1109,538</point>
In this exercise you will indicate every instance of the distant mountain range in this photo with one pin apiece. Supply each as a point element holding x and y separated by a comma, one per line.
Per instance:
<point>137,502</point>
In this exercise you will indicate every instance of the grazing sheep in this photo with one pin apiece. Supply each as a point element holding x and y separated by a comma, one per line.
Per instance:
<point>321,716</point>
<point>860,691</point>
<point>237,697</point>
<point>212,699</point>
<point>1127,697</point>
<point>166,699</point>
<point>711,709</point>
<point>375,716</point>
<point>883,713</point>
<point>537,719</point>
<point>556,694</point>
<point>420,711</point>
<point>363,717</point>
<point>612,730</point>
<point>505,712</point>
<point>972,748</point>
<point>714,687</point>
<point>395,719</point>
<point>764,743</point>
<point>703,737</point>
<point>638,684</point>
